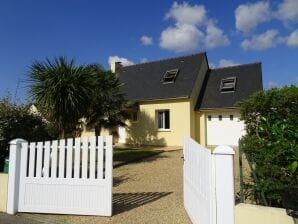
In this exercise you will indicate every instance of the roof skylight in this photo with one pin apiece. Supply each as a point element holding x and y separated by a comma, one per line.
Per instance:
<point>170,76</point>
<point>228,84</point>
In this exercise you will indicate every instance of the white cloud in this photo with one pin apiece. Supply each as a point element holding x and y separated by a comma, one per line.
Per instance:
<point>144,60</point>
<point>292,39</point>
<point>182,37</point>
<point>187,14</point>
<point>288,10</point>
<point>215,37</point>
<point>124,61</point>
<point>266,40</point>
<point>272,84</point>
<point>212,65</point>
<point>223,63</point>
<point>249,16</point>
<point>192,29</point>
<point>146,40</point>
<point>226,63</point>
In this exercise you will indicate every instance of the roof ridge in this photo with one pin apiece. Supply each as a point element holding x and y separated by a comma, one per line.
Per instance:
<point>166,59</point>
<point>234,66</point>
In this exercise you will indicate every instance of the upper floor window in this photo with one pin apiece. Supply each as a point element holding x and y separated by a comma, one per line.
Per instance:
<point>170,76</point>
<point>163,120</point>
<point>228,84</point>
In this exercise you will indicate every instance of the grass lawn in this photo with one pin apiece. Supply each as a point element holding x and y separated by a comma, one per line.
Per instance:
<point>127,155</point>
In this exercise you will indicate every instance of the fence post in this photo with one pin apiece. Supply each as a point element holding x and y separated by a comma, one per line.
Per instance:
<point>14,175</point>
<point>223,157</point>
<point>109,174</point>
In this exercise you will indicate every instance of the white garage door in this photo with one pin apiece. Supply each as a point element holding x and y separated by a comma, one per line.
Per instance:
<point>224,128</point>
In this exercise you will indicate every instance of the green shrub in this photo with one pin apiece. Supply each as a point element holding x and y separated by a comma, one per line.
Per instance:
<point>271,119</point>
<point>16,121</point>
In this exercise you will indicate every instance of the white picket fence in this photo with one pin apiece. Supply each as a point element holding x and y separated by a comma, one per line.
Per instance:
<point>69,176</point>
<point>208,183</point>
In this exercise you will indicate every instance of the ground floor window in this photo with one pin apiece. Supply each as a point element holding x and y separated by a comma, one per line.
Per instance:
<point>163,119</point>
<point>134,116</point>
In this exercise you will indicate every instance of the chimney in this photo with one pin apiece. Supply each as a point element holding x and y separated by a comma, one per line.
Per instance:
<point>115,66</point>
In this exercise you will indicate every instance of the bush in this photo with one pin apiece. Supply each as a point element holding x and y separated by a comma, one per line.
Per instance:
<point>16,121</point>
<point>271,119</point>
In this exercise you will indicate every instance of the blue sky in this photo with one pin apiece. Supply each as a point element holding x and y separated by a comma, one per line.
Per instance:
<point>231,32</point>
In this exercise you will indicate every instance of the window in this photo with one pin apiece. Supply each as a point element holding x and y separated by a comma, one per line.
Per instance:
<point>163,119</point>
<point>231,117</point>
<point>134,116</point>
<point>220,117</point>
<point>170,76</point>
<point>228,84</point>
<point>209,118</point>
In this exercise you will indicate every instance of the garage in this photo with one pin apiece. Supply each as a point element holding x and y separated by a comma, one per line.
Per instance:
<point>224,128</point>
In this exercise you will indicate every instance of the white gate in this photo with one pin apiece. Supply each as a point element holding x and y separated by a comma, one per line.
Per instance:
<point>208,183</point>
<point>72,176</point>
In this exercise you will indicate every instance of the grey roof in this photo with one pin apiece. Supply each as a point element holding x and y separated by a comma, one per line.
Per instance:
<point>144,81</point>
<point>249,80</point>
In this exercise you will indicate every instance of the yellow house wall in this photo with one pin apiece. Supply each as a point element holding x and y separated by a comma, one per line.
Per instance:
<point>3,191</point>
<point>145,130</point>
<point>202,136</point>
<point>195,124</point>
<point>87,133</point>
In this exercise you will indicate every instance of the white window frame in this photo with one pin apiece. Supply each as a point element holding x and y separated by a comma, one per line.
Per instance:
<point>164,120</point>
<point>228,85</point>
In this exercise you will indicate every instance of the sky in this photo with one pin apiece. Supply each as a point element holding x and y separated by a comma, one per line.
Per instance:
<point>133,31</point>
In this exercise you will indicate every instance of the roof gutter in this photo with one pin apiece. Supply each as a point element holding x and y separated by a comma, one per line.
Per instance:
<point>218,108</point>
<point>162,99</point>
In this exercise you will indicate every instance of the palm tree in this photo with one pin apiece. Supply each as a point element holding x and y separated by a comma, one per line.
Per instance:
<point>108,105</point>
<point>63,90</point>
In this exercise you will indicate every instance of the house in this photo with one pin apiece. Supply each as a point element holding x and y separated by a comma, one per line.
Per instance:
<point>183,96</point>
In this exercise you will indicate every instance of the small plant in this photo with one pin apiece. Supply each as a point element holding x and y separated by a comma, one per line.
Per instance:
<point>271,119</point>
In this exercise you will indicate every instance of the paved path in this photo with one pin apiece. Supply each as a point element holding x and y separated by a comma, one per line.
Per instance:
<point>146,192</point>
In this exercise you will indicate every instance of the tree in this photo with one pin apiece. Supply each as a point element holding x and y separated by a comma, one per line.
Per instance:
<point>108,104</point>
<point>16,121</point>
<point>271,119</point>
<point>62,90</point>
<point>65,93</point>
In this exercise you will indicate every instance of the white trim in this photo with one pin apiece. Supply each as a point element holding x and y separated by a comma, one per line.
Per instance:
<point>163,120</point>
<point>164,130</point>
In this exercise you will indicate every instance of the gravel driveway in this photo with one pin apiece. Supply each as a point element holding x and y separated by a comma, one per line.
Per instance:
<point>145,192</point>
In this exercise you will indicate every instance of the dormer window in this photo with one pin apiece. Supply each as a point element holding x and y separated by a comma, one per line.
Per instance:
<point>170,76</point>
<point>228,84</point>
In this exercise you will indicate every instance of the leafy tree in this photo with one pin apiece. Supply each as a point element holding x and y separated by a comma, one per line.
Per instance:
<point>271,119</point>
<point>16,121</point>
<point>65,93</point>
<point>62,90</point>
<point>107,109</point>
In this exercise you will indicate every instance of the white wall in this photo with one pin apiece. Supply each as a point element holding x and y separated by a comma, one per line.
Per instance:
<point>226,131</point>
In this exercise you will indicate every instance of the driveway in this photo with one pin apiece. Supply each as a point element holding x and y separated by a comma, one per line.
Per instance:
<point>149,191</point>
